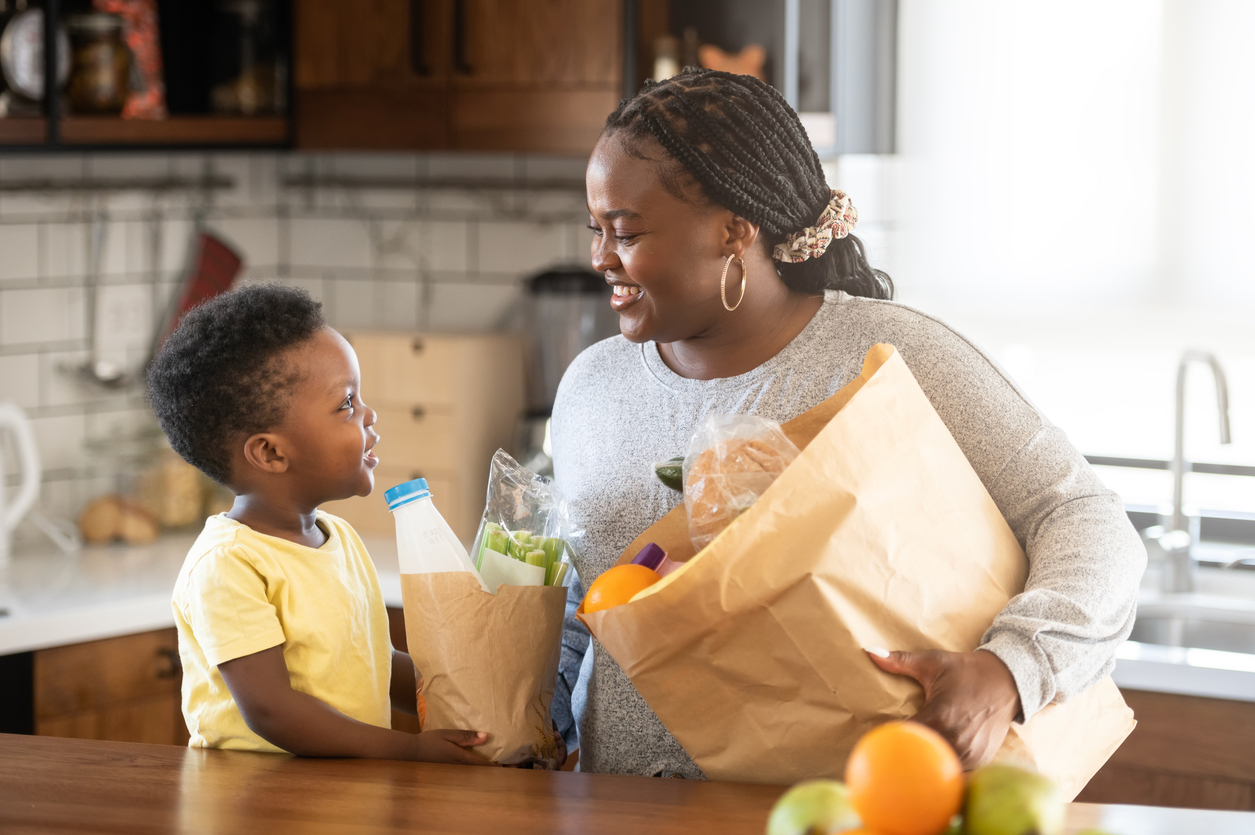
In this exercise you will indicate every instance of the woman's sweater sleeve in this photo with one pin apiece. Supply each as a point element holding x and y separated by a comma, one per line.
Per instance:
<point>1085,560</point>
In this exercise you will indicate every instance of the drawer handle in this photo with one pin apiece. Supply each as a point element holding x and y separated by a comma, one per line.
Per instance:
<point>418,413</point>
<point>172,667</point>
<point>417,345</point>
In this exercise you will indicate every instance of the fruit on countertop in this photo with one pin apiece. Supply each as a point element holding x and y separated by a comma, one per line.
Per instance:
<point>903,778</point>
<point>815,807</point>
<point>1005,800</point>
<point>617,586</point>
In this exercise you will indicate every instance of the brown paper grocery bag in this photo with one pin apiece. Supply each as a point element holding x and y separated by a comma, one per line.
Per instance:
<point>488,662</point>
<point>879,534</point>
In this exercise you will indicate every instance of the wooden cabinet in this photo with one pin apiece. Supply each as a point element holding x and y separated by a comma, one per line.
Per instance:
<point>122,689</point>
<point>456,74</point>
<point>1186,751</point>
<point>445,405</point>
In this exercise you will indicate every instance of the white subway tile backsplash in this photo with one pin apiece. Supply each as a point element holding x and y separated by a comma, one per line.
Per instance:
<point>122,426</point>
<point>395,259</point>
<point>47,314</point>
<point>63,250</point>
<point>115,237</point>
<point>376,166</point>
<point>62,382</point>
<point>54,168</point>
<point>255,239</point>
<point>396,305</point>
<point>553,167</point>
<point>519,248</point>
<point>352,304</point>
<point>60,440</point>
<point>19,251</point>
<point>19,380</point>
<point>176,246</point>
<point>124,318</point>
<point>474,308</point>
<point>61,499</point>
<point>444,246</point>
<point>473,166</point>
<point>254,177</point>
<point>326,244</point>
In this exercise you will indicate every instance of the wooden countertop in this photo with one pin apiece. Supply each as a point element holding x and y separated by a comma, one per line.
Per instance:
<point>52,785</point>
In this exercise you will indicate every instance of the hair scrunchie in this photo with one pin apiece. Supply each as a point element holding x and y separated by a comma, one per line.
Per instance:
<point>838,218</point>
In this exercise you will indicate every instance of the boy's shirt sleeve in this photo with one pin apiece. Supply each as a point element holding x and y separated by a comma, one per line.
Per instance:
<point>228,608</point>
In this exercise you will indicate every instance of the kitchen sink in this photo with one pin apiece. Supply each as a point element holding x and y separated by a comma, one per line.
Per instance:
<point>1196,631</point>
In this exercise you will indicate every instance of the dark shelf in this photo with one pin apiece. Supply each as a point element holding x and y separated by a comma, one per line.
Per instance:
<point>177,130</point>
<point>19,131</point>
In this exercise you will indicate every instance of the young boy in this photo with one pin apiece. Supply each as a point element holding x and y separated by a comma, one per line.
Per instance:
<point>282,629</point>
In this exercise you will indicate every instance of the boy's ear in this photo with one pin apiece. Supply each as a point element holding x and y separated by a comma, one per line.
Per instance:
<point>264,451</point>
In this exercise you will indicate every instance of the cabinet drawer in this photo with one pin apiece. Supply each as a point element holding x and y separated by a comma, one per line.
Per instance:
<point>418,438</point>
<point>405,369</point>
<point>99,674</point>
<point>158,721</point>
<point>369,514</point>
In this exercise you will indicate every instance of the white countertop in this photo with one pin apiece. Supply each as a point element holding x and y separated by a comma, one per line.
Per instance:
<point>105,591</point>
<point>52,599</point>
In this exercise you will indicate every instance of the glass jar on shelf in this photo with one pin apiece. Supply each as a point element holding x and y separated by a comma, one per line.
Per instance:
<point>100,63</point>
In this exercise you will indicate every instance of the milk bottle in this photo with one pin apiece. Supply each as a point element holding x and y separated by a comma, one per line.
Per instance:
<point>425,542</point>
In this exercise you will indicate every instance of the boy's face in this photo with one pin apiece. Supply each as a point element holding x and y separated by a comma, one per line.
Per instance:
<point>328,428</point>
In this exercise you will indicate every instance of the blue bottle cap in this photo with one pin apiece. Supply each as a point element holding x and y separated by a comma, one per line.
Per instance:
<point>403,494</point>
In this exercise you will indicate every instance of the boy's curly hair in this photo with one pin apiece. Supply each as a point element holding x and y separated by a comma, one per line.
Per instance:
<point>221,374</point>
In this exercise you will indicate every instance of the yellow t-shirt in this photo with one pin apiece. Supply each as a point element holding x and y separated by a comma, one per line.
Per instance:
<point>241,592</point>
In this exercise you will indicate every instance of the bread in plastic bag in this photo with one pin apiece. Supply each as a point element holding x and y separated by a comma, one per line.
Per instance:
<point>731,461</point>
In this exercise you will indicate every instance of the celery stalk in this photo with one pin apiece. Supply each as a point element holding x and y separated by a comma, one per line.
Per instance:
<point>556,574</point>
<point>536,558</point>
<point>520,544</point>
<point>553,548</point>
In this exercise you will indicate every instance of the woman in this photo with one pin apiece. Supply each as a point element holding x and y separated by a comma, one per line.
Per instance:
<point>739,290</point>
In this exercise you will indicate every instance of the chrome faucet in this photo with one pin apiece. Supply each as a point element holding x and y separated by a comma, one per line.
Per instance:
<point>1177,543</point>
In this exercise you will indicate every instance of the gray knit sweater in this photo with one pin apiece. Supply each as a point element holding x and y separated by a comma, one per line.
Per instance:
<point>620,408</point>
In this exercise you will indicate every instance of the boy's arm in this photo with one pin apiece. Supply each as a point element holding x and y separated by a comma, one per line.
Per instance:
<point>299,723</point>
<point>404,689</point>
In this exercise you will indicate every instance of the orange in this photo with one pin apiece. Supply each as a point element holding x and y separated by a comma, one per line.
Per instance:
<point>617,586</point>
<point>904,779</point>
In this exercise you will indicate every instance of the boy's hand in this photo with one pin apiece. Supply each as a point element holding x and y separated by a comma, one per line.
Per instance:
<point>450,747</point>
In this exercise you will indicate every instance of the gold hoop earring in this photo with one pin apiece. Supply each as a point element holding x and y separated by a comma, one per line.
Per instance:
<point>723,283</point>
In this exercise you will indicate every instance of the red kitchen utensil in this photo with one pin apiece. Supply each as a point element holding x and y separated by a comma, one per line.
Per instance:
<point>215,267</point>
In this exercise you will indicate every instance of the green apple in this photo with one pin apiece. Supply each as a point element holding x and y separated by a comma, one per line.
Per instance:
<point>1005,800</point>
<point>816,807</point>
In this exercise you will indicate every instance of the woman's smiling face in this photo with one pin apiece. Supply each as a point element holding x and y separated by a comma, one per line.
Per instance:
<point>660,253</point>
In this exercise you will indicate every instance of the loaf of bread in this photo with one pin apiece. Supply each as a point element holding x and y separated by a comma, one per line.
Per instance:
<point>726,479</point>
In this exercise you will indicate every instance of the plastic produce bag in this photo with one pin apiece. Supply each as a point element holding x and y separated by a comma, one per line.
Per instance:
<point>731,461</point>
<point>486,638</point>
<point>525,532</point>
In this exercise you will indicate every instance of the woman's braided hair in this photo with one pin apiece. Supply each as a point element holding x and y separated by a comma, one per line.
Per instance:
<point>744,146</point>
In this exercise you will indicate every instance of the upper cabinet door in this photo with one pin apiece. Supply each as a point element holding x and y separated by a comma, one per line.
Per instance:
<point>553,44</point>
<point>372,74</point>
<point>506,75</point>
<point>534,76</point>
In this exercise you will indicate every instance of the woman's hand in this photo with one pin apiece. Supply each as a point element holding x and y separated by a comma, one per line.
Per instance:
<point>970,698</point>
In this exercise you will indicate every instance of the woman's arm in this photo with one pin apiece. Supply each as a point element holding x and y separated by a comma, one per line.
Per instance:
<point>1058,636</point>
<point>299,723</point>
